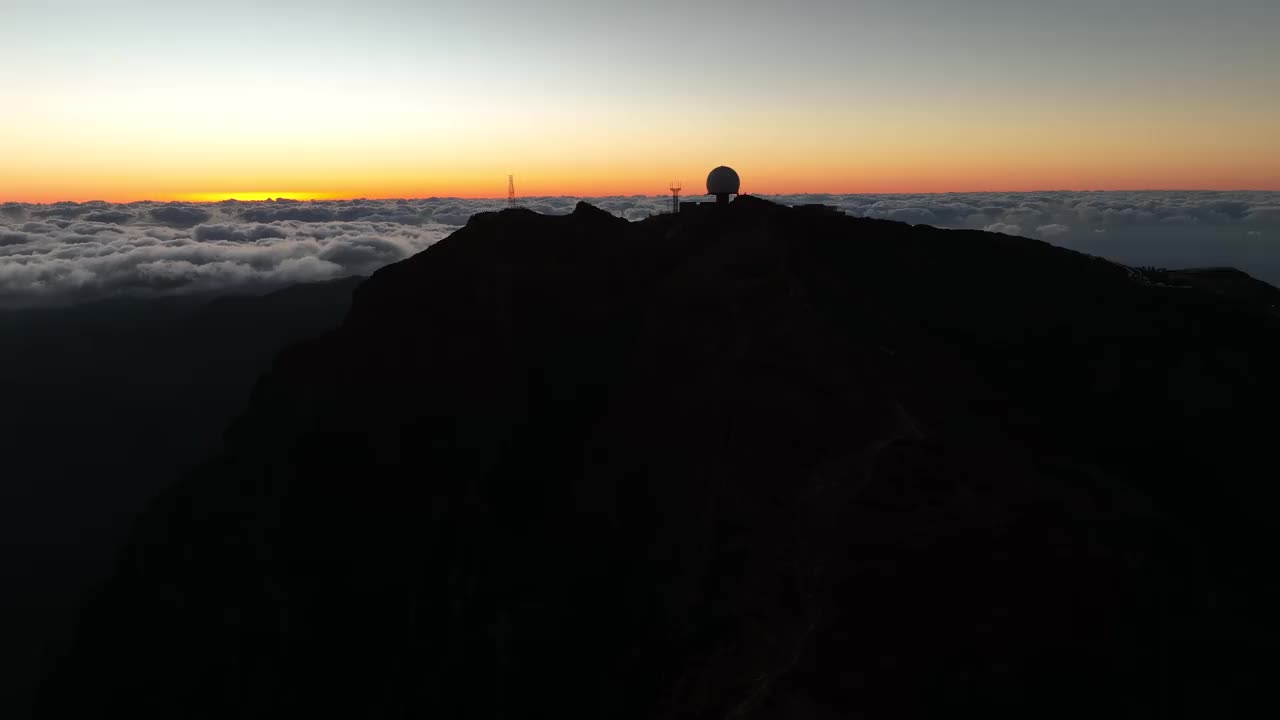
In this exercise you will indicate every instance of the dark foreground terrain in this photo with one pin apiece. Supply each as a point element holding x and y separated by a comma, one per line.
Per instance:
<point>765,463</point>
<point>101,406</point>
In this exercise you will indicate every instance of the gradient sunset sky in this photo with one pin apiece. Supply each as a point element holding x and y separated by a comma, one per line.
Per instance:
<point>141,100</point>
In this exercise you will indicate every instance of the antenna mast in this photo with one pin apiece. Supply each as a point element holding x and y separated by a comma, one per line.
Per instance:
<point>675,196</point>
<point>511,191</point>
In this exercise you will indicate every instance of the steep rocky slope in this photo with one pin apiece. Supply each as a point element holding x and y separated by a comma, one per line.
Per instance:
<point>766,462</point>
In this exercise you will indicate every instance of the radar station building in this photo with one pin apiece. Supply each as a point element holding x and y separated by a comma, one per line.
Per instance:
<point>722,183</point>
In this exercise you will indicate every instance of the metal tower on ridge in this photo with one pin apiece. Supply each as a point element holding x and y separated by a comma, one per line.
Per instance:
<point>675,196</point>
<point>511,191</point>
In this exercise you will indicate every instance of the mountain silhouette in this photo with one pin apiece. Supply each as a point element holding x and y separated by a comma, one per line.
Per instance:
<point>756,462</point>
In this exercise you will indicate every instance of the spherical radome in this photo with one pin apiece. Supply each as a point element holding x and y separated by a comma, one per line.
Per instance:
<point>723,181</point>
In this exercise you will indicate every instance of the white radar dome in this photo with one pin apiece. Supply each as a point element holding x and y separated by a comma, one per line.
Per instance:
<point>723,181</point>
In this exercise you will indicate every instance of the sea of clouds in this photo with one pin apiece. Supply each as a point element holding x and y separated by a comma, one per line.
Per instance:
<point>72,252</point>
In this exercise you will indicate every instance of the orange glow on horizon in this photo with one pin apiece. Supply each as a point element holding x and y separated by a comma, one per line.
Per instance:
<point>754,182</point>
<point>922,164</point>
<point>251,196</point>
<point>776,151</point>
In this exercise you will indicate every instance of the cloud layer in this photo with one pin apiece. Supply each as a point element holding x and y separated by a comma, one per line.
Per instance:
<point>69,252</point>
<point>1165,229</point>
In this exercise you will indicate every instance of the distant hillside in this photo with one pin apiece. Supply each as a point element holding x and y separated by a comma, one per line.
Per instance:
<point>759,463</point>
<point>101,406</point>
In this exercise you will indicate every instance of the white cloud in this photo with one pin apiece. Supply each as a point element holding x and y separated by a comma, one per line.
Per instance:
<point>1051,231</point>
<point>1005,228</point>
<point>73,251</point>
<point>66,261</point>
<point>1269,215</point>
<point>913,215</point>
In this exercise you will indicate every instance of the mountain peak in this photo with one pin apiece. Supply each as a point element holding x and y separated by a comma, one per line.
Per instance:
<point>791,461</point>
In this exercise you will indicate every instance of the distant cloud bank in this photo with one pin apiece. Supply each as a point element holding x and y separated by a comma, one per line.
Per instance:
<point>71,252</point>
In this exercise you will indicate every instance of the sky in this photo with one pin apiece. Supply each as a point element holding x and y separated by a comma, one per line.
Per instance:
<point>199,101</point>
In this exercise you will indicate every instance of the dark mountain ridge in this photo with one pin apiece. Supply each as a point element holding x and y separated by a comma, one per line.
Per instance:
<point>762,462</point>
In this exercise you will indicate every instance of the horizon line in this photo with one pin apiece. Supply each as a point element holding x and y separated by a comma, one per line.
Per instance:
<point>231,197</point>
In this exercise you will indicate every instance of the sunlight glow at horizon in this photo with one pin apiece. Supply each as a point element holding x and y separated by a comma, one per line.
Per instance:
<point>213,197</point>
<point>393,99</point>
